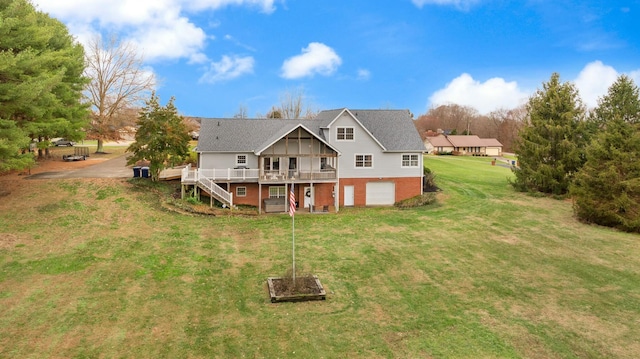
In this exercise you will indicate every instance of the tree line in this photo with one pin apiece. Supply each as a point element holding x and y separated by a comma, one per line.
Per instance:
<point>501,124</point>
<point>591,156</point>
<point>565,150</point>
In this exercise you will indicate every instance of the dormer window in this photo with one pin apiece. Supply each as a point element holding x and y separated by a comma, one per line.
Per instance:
<point>345,133</point>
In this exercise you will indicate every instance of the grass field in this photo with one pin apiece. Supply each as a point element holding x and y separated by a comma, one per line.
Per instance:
<point>97,268</point>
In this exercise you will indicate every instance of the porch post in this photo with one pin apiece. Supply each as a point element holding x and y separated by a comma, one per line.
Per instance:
<point>259,197</point>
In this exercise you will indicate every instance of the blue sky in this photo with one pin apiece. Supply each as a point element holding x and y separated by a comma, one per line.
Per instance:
<point>214,56</point>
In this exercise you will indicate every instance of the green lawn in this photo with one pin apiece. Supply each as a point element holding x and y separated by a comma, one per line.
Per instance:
<point>99,269</point>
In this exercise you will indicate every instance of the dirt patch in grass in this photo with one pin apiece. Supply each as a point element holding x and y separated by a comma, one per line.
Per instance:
<point>8,240</point>
<point>389,229</point>
<point>15,180</point>
<point>510,239</point>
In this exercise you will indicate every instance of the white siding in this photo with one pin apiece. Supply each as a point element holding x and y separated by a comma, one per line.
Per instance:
<point>384,164</point>
<point>225,160</point>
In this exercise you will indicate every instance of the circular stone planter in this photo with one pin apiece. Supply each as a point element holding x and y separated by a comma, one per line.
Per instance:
<point>307,288</point>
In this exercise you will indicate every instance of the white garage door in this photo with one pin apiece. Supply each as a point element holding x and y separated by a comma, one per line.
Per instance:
<point>381,193</point>
<point>493,151</point>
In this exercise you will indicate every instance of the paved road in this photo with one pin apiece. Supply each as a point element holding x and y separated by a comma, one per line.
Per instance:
<point>113,168</point>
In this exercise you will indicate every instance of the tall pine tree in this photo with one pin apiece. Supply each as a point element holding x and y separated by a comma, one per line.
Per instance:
<point>551,146</point>
<point>41,78</point>
<point>607,188</point>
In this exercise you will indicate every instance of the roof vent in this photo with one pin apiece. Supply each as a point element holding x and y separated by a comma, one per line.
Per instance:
<point>218,123</point>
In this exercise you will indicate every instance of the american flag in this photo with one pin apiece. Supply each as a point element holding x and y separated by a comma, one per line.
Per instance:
<point>292,202</point>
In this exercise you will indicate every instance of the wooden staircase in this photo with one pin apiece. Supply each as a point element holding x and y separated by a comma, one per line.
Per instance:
<point>215,191</point>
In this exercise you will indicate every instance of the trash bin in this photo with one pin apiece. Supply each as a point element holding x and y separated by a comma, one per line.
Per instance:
<point>145,172</point>
<point>136,171</point>
<point>513,163</point>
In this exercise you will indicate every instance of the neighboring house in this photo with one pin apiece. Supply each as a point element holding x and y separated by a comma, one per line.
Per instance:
<point>438,144</point>
<point>340,158</point>
<point>465,145</point>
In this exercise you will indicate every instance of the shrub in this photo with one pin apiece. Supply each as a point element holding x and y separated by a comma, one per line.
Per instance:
<point>192,158</point>
<point>418,201</point>
<point>429,181</point>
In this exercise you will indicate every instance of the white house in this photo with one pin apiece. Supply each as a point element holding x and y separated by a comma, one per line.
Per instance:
<point>340,158</point>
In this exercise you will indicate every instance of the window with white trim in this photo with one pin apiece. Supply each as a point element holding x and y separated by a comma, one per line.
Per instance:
<point>241,160</point>
<point>277,191</point>
<point>410,160</point>
<point>241,191</point>
<point>345,133</point>
<point>364,161</point>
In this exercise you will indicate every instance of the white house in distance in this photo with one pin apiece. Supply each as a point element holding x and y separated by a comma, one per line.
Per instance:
<point>464,145</point>
<point>339,158</point>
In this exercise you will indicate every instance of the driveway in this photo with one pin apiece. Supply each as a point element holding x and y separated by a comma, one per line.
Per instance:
<point>113,168</point>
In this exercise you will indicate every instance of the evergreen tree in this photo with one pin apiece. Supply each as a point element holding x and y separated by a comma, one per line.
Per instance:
<point>12,141</point>
<point>606,190</point>
<point>551,145</point>
<point>162,137</point>
<point>41,79</point>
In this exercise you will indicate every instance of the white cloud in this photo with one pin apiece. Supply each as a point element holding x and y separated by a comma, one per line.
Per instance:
<point>488,96</point>
<point>593,82</point>
<point>228,68</point>
<point>161,28</point>
<point>266,5</point>
<point>174,39</point>
<point>364,74</point>
<point>238,43</point>
<point>460,4</point>
<point>315,58</point>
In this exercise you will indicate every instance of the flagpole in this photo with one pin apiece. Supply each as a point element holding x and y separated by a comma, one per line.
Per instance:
<point>292,211</point>
<point>293,246</point>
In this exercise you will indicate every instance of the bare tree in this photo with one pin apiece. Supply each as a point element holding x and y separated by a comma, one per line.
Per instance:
<point>507,123</point>
<point>119,82</point>
<point>242,111</point>
<point>455,117</point>
<point>294,104</point>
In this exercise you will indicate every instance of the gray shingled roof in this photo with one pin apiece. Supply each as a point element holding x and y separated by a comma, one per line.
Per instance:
<point>394,129</point>
<point>240,135</point>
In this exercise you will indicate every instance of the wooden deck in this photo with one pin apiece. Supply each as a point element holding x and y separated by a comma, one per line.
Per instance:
<point>170,174</point>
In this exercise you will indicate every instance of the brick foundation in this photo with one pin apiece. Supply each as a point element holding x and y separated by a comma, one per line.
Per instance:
<point>323,194</point>
<point>406,187</point>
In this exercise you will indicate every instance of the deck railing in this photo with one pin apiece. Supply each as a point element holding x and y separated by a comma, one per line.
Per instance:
<point>198,177</point>
<point>189,175</point>
<point>230,174</point>
<point>245,174</point>
<point>216,190</point>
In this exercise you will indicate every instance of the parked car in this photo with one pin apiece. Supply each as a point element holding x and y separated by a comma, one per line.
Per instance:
<point>63,142</point>
<point>194,135</point>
